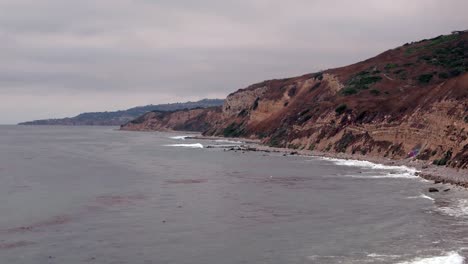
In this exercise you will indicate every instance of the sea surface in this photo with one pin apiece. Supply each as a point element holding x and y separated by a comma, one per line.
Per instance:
<point>99,195</point>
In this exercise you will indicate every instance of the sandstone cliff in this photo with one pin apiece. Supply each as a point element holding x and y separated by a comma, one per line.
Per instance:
<point>411,101</point>
<point>199,119</point>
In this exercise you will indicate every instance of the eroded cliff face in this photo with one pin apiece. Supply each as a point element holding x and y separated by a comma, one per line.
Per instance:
<point>199,119</point>
<point>408,102</point>
<point>411,101</point>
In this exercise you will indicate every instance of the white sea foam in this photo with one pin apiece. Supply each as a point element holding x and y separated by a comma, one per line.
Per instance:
<point>449,258</point>
<point>386,176</point>
<point>195,145</point>
<point>422,196</point>
<point>180,137</point>
<point>228,141</point>
<point>382,256</point>
<point>426,197</point>
<point>368,164</point>
<point>457,209</point>
<point>400,171</point>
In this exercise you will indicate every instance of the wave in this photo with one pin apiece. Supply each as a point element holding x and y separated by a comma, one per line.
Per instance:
<point>422,196</point>
<point>458,209</point>
<point>228,141</point>
<point>180,137</point>
<point>195,145</point>
<point>449,258</point>
<point>386,176</point>
<point>222,146</point>
<point>401,172</point>
<point>368,164</point>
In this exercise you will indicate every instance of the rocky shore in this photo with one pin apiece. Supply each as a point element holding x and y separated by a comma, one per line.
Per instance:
<point>426,170</point>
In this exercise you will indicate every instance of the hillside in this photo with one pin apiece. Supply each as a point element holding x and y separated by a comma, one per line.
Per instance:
<point>118,118</point>
<point>411,101</point>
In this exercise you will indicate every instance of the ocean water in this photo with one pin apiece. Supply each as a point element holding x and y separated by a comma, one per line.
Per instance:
<point>98,195</point>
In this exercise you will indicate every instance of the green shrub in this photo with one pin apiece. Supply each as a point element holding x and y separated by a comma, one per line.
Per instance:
<point>455,72</point>
<point>349,91</point>
<point>443,161</point>
<point>425,78</point>
<point>341,109</point>
<point>391,66</point>
<point>360,81</point>
<point>443,75</point>
<point>344,142</point>
<point>318,76</point>
<point>233,130</point>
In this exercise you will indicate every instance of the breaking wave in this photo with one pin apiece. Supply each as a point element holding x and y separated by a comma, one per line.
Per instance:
<point>457,209</point>
<point>180,137</point>
<point>368,164</point>
<point>422,196</point>
<point>400,171</point>
<point>195,145</point>
<point>449,258</point>
<point>228,141</point>
<point>386,176</point>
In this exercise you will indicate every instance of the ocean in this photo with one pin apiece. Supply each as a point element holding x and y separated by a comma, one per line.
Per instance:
<point>99,195</point>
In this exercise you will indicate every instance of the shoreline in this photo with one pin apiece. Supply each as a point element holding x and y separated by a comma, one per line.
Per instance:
<point>425,169</point>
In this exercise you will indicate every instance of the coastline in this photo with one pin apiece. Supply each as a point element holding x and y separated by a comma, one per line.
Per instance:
<point>425,169</point>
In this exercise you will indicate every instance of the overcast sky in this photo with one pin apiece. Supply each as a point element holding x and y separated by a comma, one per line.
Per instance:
<point>61,57</point>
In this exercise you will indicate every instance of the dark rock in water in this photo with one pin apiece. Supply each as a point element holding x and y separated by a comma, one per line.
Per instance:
<point>432,189</point>
<point>446,190</point>
<point>437,181</point>
<point>294,153</point>
<point>425,166</point>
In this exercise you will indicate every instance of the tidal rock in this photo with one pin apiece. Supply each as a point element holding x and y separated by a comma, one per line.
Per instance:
<point>432,189</point>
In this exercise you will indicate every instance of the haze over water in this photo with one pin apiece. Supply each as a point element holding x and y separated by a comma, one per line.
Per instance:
<point>97,195</point>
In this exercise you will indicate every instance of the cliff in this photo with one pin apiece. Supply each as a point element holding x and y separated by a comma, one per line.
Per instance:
<point>117,118</point>
<point>199,119</point>
<point>411,101</point>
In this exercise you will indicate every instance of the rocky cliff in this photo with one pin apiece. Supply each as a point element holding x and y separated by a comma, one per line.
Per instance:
<point>199,119</point>
<point>411,101</point>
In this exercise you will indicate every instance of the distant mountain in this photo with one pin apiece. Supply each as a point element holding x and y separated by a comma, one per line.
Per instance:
<point>121,117</point>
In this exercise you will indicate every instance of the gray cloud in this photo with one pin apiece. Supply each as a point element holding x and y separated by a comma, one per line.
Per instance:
<point>61,57</point>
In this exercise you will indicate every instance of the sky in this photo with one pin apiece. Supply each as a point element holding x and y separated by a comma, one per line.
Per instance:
<point>59,58</point>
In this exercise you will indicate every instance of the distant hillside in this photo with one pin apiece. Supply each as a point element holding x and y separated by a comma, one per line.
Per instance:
<point>118,118</point>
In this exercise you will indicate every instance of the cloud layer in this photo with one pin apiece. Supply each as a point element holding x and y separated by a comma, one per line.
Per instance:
<point>61,57</point>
